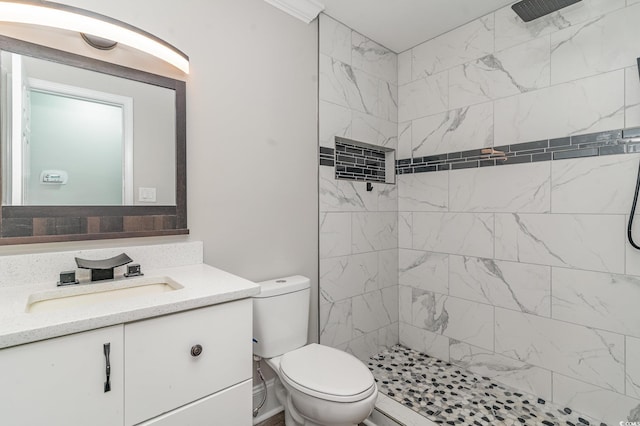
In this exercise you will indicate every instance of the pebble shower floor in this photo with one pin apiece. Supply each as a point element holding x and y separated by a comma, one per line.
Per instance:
<point>449,395</point>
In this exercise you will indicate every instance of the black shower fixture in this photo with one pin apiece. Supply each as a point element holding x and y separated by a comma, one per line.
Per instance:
<point>529,10</point>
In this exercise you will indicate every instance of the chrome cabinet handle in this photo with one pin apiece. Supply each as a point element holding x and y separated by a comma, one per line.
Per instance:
<point>107,349</point>
<point>196,350</point>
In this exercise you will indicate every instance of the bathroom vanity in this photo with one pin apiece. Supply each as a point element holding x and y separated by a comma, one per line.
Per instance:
<point>169,358</point>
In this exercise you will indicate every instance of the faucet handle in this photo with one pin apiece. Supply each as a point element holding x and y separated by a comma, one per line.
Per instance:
<point>67,278</point>
<point>133,270</point>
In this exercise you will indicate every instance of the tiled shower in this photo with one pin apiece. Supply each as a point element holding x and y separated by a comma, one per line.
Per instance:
<point>518,271</point>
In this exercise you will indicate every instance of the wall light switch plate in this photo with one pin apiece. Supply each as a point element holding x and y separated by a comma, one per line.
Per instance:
<point>147,195</point>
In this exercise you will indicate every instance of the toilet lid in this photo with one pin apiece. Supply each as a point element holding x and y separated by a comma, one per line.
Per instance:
<point>327,373</point>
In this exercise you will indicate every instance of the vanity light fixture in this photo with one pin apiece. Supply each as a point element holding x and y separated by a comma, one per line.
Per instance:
<point>45,13</point>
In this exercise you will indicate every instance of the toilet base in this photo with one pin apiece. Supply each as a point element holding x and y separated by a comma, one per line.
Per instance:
<point>291,415</point>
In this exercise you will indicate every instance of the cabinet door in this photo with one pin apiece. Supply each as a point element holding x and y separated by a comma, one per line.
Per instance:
<point>162,373</point>
<point>61,381</point>
<point>230,407</point>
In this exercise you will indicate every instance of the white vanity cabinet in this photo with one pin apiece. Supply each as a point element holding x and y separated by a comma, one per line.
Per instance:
<point>191,368</point>
<point>174,360</point>
<point>60,382</point>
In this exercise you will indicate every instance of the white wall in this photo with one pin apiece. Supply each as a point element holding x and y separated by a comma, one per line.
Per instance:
<point>251,132</point>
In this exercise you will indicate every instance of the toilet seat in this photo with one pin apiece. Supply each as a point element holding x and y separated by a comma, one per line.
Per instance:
<point>326,373</point>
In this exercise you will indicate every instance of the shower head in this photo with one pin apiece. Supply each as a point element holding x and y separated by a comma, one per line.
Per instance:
<point>529,10</point>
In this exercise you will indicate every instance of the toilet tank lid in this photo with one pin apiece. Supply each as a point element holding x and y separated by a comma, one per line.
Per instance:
<point>284,285</point>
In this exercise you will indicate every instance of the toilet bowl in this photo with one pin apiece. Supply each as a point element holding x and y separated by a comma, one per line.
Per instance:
<point>325,386</point>
<point>317,385</point>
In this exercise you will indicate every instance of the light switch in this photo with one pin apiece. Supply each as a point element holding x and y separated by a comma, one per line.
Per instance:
<point>147,195</point>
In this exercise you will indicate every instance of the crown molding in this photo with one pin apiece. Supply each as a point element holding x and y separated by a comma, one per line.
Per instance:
<point>305,10</point>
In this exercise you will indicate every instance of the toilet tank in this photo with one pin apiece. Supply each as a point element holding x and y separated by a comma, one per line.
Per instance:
<point>281,316</point>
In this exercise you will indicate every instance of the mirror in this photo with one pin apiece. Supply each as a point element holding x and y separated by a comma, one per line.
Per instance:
<point>89,149</point>
<point>79,137</point>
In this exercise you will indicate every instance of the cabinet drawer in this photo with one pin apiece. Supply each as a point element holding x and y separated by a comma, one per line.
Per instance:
<point>161,373</point>
<point>229,407</point>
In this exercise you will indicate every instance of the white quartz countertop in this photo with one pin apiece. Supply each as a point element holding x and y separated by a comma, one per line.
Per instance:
<point>203,285</point>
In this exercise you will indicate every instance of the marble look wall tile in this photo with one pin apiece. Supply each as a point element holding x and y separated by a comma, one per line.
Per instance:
<point>593,242</point>
<point>389,336</point>
<point>510,30</point>
<point>404,67</point>
<point>516,70</point>
<point>519,375</point>
<point>390,302</point>
<point>576,52</point>
<point>344,195</point>
<point>343,85</point>
<point>373,231</point>
<point>347,276</point>
<point>582,106</point>
<point>388,101</point>
<point>631,97</point>
<point>404,303</point>
<point>609,407</point>
<point>333,120</point>
<point>511,285</point>
<point>336,323</point>
<point>387,268</point>
<point>633,366</point>
<point>373,58</point>
<point>580,352</point>
<point>594,185</point>
<point>630,2</point>
<point>596,300</point>
<point>424,270</point>
<point>405,230</point>
<point>335,39</point>
<point>336,83</point>
<point>335,234</point>
<point>404,140</point>
<point>452,317</point>
<point>468,234</point>
<point>374,130</point>
<point>387,197</point>
<point>463,44</point>
<point>362,347</point>
<point>517,188</point>
<point>427,342</point>
<point>456,130</point>
<point>423,192</point>
<point>368,93</point>
<point>372,311</point>
<point>422,97</point>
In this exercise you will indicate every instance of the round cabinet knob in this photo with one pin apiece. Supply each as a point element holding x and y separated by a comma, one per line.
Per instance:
<point>196,350</point>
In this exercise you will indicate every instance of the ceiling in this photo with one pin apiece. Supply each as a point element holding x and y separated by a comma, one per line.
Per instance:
<point>402,24</point>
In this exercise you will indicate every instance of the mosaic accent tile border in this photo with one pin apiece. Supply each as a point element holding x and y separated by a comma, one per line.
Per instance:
<point>594,144</point>
<point>447,394</point>
<point>326,156</point>
<point>359,161</point>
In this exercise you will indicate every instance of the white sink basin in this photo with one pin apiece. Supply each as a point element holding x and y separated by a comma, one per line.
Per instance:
<point>91,294</point>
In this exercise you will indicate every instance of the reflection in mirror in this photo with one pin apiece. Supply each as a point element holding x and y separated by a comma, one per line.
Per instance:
<point>76,137</point>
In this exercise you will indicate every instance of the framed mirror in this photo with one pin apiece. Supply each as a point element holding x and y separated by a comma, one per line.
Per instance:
<point>88,149</point>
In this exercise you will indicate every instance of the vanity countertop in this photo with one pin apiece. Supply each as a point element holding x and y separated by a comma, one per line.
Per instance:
<point>203,285</point>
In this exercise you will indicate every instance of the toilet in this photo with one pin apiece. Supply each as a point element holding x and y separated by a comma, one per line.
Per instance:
<point>316,384</point>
